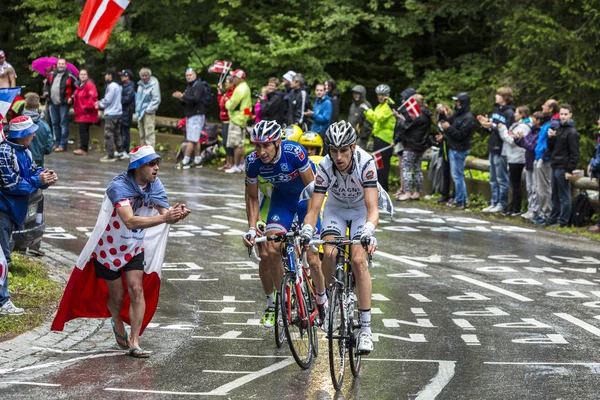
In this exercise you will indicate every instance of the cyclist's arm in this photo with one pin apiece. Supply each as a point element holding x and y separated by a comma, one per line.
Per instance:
<point>314,208</point>
<point>371,201</point>
<point>252,204</point>
<point>307,177</point>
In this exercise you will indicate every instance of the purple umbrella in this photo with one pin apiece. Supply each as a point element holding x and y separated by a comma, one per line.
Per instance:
<point>41,64</point>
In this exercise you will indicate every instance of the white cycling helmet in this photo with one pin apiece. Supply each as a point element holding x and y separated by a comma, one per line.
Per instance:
<point>340,134</point>
<point>383,89</point>
<point>265,132</point>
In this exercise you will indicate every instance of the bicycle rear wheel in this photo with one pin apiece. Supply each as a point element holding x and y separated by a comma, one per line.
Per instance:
<point>297,328</point>
<point>354,325</point>
<point>312,307</point>
<point>337,338</point>
<point>279,329</point>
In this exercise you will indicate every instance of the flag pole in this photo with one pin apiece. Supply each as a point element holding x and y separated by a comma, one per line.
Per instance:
<point>193,50</point>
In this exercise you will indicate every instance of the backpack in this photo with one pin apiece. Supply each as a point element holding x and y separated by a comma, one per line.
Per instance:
<point>582,210</point>
<point>207,96</point>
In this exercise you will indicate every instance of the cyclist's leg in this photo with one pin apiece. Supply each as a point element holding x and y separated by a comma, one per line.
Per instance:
<point>279,220</point>
<point>313,259</point>
<point>331,226</point>
<point>364,287</point>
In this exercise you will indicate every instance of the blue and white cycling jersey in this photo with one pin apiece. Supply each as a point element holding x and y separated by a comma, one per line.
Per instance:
<point>284,173</point>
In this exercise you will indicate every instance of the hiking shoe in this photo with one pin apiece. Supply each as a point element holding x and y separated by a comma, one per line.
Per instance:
<point>528,215</point>
<point>123,156</point>
<point>9,308</point>
<point>234,170</point>
<point>107,158</point>
<point>515,213</point>
<point>540,221</point>
<point>488,208</point>
<point>365,342</point>
<point>497,209</point>
<point>268,320</point>
<point>181,165</point>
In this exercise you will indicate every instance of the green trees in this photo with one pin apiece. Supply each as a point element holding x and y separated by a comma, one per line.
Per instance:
<point>543,48</point>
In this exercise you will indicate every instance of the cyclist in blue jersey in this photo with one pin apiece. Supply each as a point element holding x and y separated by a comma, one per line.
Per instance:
<point>285,165</point>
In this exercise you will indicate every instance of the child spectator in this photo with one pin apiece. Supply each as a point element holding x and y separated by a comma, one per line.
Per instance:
<point>528,143</point>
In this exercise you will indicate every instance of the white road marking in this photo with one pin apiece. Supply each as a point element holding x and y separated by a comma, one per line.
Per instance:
<point>226,218</point>
<point>75,351</point>
<point>195,278</point>
<point>227,310</point>
<point>249,322</point>
<point>221,390</point>
<point>464,324</point>
<point>253,356</point>
<point>29,383</point>
<point>420,298</point>
<point>227,299</point>
<point>5,371</point>
<point>418,311</point>
<point>585,364</point>
<point>493,288</point>
<point>470,340</point>
<point>438,382</point>
<point>217,371</point>
<point>582,324</point>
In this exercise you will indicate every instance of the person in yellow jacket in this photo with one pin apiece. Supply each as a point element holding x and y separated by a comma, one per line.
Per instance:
<point>239,107</point>
<point>383,121</point>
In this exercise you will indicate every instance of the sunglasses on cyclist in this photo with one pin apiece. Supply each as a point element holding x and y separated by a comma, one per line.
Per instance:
<point>153,163</point>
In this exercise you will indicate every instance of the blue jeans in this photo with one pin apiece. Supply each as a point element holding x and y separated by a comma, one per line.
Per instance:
<point>6,228</point>
<point>457,170</point>
<point>561,198</point>
<point>126,136</point>
<point>60,124</point>
<point>499,180</point>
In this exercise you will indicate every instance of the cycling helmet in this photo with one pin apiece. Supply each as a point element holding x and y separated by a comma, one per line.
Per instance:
<point>265,132</point>
<point>383,89</point>
<point>292,132</point>
<point>340,134</point>
<point>312,139</point>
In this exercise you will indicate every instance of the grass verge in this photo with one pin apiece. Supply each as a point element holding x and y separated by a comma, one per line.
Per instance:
<point>31,288</point>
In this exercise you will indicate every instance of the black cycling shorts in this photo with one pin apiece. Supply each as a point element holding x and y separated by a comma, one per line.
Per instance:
<point>135,264</point>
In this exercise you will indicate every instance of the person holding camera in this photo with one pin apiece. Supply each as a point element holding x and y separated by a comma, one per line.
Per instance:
<point>19,178</point>
<point>272,104</point>
<point>384,122</point>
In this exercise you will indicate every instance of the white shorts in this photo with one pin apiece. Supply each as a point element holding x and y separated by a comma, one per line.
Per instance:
<point>193,128</point>
<point>336,219</point>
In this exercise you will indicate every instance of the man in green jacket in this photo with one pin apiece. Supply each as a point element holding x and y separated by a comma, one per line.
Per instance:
<point>383,121</point>
<point>239,107</point>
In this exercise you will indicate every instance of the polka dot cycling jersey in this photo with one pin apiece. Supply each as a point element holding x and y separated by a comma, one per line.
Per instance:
<point>346,191</point>
<point>283,173</point>
<point>118,245</point>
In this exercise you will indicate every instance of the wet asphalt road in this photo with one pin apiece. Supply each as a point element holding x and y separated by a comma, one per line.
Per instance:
<point>463,308</point>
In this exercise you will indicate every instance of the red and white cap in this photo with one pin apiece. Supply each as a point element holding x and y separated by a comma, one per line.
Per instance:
<point>141,155</point>
<point>238,73</point>
<point>21,127</point>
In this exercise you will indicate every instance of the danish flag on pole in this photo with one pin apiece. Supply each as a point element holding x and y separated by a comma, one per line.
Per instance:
<point>98,20</point>
<point>412,107</point>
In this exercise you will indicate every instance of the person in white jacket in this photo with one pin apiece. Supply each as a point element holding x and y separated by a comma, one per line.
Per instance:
<point>515,156</point>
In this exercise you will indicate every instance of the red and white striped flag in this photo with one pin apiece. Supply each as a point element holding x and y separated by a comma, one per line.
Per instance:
<point>98,20</point>
<point>412,107</point>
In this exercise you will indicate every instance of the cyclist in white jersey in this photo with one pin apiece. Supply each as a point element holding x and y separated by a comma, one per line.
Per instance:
<point>349,175</point>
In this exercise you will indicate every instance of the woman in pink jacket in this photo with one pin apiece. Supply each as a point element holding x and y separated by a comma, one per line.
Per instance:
<point>86,113</point>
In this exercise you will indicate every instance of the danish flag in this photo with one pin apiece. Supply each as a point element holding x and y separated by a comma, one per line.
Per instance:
<point>98,20</point>
<point>412,107</point>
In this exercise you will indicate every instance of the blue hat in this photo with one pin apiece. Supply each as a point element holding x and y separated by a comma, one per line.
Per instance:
<point>21,127</point>
<point>141,155</point>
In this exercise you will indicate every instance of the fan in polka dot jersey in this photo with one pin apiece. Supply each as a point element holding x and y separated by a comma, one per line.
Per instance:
<point>135,202</point>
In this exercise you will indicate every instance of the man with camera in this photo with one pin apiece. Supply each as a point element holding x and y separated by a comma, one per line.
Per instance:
<point>20,177</point>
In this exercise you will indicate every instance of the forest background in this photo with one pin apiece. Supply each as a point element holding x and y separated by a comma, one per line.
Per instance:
<point>542,49</point>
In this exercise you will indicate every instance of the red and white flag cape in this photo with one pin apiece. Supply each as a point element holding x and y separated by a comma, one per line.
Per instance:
<point>412,107</point>
<point>98,20</point>
<point>85,295</point>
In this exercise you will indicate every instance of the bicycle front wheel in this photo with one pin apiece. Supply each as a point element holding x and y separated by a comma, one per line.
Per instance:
<point>296,321</point>
<point>354,325</point>
<point>279,329</point>
<point>313,312</point>
<point>337,338</point>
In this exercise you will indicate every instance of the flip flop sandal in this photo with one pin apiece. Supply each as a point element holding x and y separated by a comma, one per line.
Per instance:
<point>119,337</point>
<point>140,352</point>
